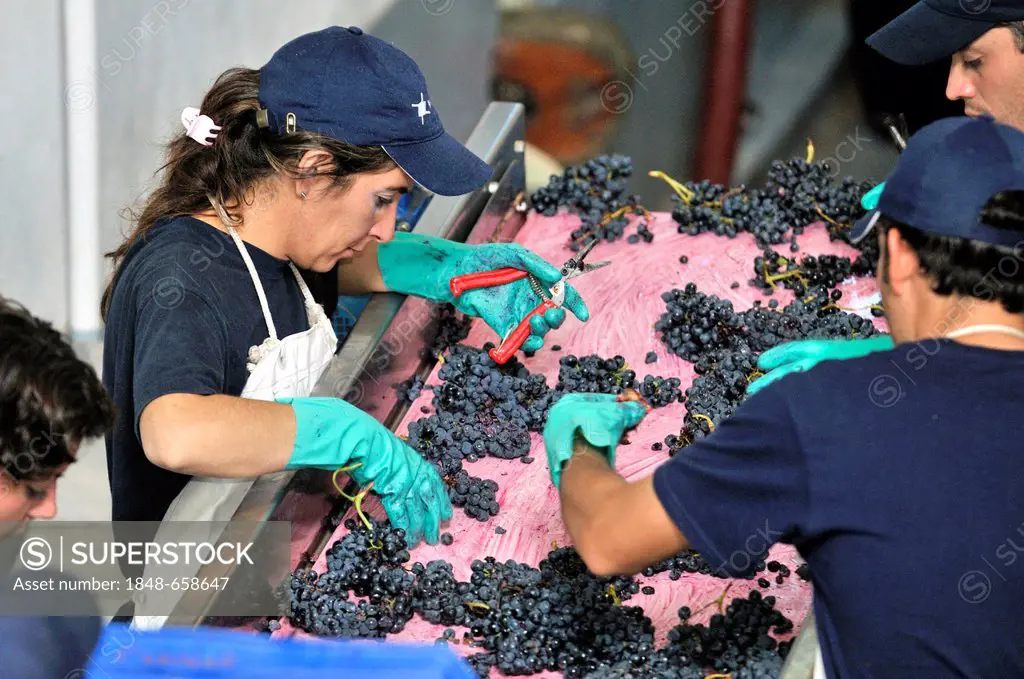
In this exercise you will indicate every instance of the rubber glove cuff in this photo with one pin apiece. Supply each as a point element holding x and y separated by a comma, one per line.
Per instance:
<point>600,419</point>
<point>822,350</point>
<point>419,265</point>
<point>794,357</point>
<point>330,433</point>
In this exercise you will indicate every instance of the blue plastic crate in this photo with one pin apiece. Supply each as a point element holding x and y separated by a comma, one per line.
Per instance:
<point>347,313</point>
<point>207,653</point>
<point>412,204</point>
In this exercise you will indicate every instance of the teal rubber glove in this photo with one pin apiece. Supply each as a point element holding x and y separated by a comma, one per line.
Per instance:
<point>799,356</point>
<point>423,266</point>
<point>331,433</point>
<point>600,418</point>
<point>870,199</point>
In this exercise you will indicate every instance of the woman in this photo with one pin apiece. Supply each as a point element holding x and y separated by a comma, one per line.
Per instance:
<point>214,342</point>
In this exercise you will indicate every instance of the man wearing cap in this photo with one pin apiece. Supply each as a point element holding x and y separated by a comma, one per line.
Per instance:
<point>214,341</point>
<point>986,41</point>
<point>897,474</point>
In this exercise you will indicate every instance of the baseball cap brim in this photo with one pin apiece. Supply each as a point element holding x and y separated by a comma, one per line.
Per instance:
<point>922,35</point>
<point>441,165</point>
<point>864,226</point>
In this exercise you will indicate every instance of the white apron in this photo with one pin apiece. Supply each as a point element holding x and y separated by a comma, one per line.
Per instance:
<point>804,660</point>
<point>819,665</point>
<point>279,368</point>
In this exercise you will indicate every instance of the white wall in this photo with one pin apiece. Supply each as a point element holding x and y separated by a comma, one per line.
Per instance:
<point>153,58</point>
<point>33,233</point>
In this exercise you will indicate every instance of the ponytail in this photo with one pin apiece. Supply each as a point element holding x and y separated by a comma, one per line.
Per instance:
<point>196,177</point>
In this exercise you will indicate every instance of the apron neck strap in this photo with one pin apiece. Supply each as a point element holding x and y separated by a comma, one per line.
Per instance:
<point>306,294</point>
<point>311,306</point>
<point>255,281</point>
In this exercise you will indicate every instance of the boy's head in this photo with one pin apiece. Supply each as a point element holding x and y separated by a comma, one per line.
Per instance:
<point>950,221</point>
<point>50,402</point>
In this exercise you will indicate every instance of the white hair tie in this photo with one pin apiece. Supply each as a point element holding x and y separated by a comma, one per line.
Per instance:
<point>199,127</point>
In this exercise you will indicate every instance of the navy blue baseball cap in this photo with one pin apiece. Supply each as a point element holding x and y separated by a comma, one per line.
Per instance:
<point>351,86</point>
<point>937,29</point>
<point>948,172</point>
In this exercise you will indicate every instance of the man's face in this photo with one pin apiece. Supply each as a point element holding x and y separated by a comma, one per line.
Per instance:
<point>988,76</point>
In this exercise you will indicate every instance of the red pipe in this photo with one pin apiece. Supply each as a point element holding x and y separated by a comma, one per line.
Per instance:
<point>724,90</point>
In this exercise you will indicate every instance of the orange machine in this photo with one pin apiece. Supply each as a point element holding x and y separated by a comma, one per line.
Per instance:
<point>560,63</point>
<point>556,62</point>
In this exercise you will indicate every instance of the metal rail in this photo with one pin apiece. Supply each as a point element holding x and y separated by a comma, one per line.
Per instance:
<point>388,342</point>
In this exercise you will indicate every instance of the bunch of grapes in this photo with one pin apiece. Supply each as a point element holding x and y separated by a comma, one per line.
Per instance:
<point>595,191</point>
<point>555,617</point>
<point>724,345</point>
<point>797,193</point>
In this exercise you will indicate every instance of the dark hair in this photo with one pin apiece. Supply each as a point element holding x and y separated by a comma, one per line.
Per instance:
<point>972,268</point>
<point>1018,32</point>
<point>224,174</point>
<point>50,400</point>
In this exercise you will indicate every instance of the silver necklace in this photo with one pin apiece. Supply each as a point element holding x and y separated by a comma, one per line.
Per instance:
<point>986,327</point>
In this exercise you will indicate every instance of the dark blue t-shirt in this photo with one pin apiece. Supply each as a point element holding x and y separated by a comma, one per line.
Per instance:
<point>182,318</point>
<point>43,648</point>
<point>900,479</point>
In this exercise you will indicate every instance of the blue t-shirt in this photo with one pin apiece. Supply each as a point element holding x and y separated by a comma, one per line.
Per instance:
<point>900,479</point>
<point>44,648</point>
<point>182,318</point>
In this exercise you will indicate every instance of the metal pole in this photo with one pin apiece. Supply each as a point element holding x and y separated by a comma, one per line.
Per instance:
<point>724,91</point>
<point>81,116</point>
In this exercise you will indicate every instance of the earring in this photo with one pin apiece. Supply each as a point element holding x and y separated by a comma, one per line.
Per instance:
<point>303,194</point>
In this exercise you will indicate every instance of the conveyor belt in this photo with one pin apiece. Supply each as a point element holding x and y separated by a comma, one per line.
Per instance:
<point>385,348</point>
<point>625,302</point>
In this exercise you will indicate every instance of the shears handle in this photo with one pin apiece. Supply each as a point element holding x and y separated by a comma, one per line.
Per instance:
<point>485,279</point>
<point>517,337</point>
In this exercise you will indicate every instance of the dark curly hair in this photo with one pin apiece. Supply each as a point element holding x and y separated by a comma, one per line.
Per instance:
<point>971,268</point>
<point>50,400</point>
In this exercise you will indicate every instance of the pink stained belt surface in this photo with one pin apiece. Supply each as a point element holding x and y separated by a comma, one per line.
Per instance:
<point>624,301</point>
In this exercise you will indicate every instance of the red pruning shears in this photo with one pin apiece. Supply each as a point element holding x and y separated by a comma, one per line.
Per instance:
<point>550,298</point>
